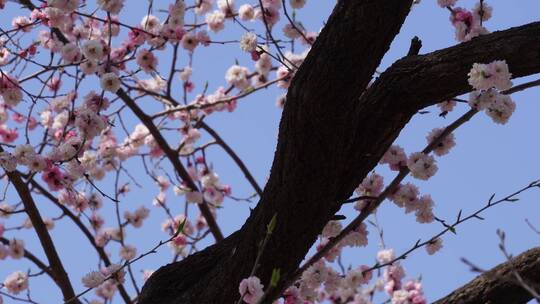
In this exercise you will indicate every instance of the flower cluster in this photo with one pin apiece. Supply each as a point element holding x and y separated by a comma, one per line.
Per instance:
<point>468,24</point>
<point>489,80</point>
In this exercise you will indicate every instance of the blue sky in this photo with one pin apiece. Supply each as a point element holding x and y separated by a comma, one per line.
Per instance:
<point>487,159</point>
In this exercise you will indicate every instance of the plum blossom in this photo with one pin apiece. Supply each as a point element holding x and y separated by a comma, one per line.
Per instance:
<point>447,106</point>
<point>203,6</point>
<point>106,290</point>
<point>136,219</point>
<point>444,145</point>
<point>434,246</point>
<point>22,23</point>
<point>292,31</point>
<point>8,161</point>
<point>151,23</point>
<point>385,255</point>
<point>424,211</point>
<point>269,14</point>
<point>89,123</point>
<point>248,42</point>
<point>110,82</point>
<point>251,290</point>
<point>331,229</point>
<point>483,10</point>
<point>4,56</point>
<point>93,279</point>
<point>186,73</point>
<point>146,60</point>
<point>189,41</point>
<point>215,21</point>
<point>395,157</point>
<point>246,12</point>
<point>71,53</point>
<point>89,67</point>
<point>316,274</point>
<point>66,6</point>
<point>112,6</point>
<point>16,282</point>
<point>494,74</point>
<point>176,14</point>
<point>467,24</point>
<point>297,4</point>
<point>501,109</point>
<point>237,76</point>
<point>116,272</point>
<point>93,50</point>
<point>422,166</point>
<point>16,248</point>
<point>226,6</point>
<point>446,3</point>
<point>128,252</point>
<point>372,185</point>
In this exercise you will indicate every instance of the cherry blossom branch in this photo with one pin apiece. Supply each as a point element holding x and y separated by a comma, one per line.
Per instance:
<point>128,263</point>
<point>173,158</point>
<point>60,275</point>
<point>293,24</point>
<point>198,106</point>
<point>76,220</point>
<point>31,257</point>
<point>403,172</point>
<point>459,220</point>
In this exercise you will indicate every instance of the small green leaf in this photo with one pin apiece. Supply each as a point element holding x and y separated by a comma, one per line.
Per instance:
<point>270,227</point>
<point>181,227</point>
<point>276,274</point>
<point>452,229</point>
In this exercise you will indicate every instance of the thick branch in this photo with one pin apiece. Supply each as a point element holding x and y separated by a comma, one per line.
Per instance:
<point>173,158</point>
<point>424,80</point>
<point>499,285</point>
<point>306,182</point>
<point>77,221</point>
<point>331,138</point>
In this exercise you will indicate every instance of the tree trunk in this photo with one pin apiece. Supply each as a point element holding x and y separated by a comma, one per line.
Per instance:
<point>332,133</point>
<point>499,285</point>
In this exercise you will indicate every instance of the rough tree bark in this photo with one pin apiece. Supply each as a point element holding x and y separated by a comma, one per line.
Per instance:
<point>499,285</point>
<point>332,133</point>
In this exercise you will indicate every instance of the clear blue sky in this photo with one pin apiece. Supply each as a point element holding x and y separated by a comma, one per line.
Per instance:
<point>488,159</point>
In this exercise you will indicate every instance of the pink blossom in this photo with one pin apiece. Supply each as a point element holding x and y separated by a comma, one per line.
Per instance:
<point>395,157</point>
<point>251,290</point>
<point>501,109</point>
<point>146,60</point>
<point>215,21</point>
<point>297,4</point>
<point>434,246</point>
<point>447,106</point>
<point>54,178</point>
<point>424,212</point>
<point>422,166</point>
<point>16,282</point>
<point>246,12</point>
<point>445,3</point>
<point>271,14</point>
<point>93,279</point>
<point>111,6</point>
<point>486,76</point>
<point>444,145</point>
